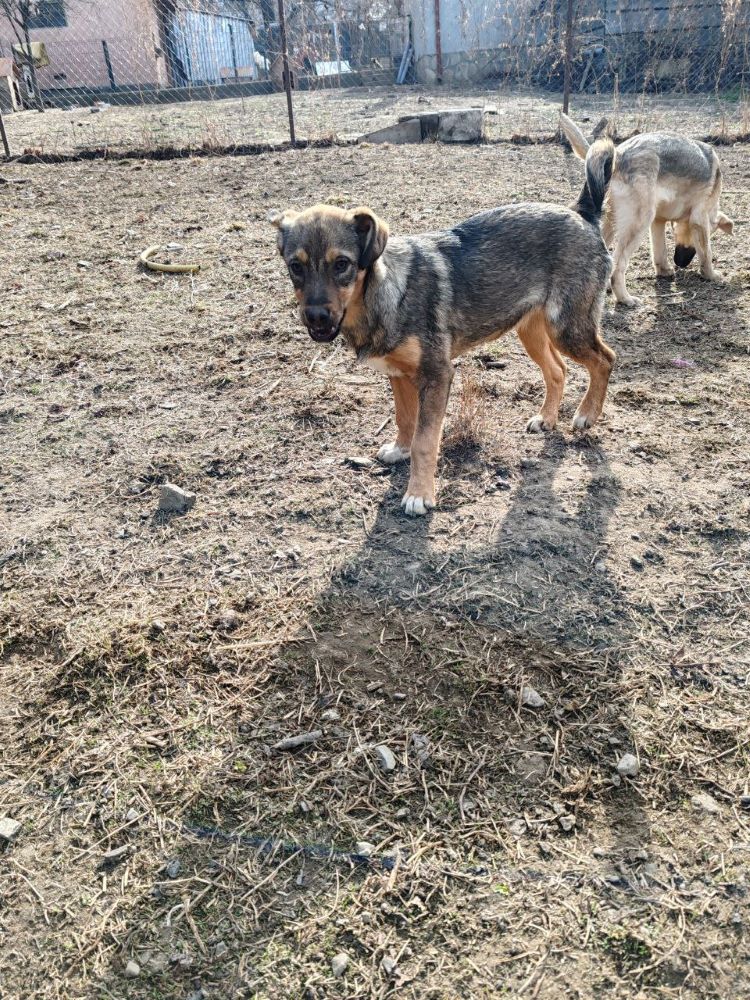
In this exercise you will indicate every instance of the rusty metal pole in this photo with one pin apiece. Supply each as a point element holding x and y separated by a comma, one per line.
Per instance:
<point>568,54</point>
<point>438,45</point>
<point>287,77</point>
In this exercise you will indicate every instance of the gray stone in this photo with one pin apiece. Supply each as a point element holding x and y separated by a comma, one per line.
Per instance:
<point>294,742</point>
<point>8,828</point>
<point>115,855</point>
<point>628,766</point>
<point>331,715</point>
<point>398,135</point>
<point>131,816</point>
<point>385,757</point>
<point>745,801</point>
<point>132,970</point>
<point>388,965</point>
<point>359,461</point>
<point>531,698</point>
<point>173,868</point>
<point>567,821</point>
<point>339,964</point>
<point>706,802</point>
<point>220,949</point>
<point>461,126</point>
<point>174,500</point>
<point>365,848</point>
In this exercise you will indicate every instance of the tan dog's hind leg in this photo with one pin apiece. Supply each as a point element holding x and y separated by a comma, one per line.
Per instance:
<point>433,400</point>
<point>659,254</point>
<point>407,408</point>
<point>534,334</point>
<point>701,237</point>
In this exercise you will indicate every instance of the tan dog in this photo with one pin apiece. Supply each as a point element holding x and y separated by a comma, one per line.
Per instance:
<point>658,179</point>
<point>409,305</point>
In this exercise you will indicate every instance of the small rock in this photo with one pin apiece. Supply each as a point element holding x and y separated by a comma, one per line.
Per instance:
<point>132,970</point>
<point>359,461</point>
<point>402,813</point>
<point>157,627</point>
<point>600,852</point>
<point>706,802</point>
<point>293,742</point>
<point>385,758</point>
<point>600,567</point>
<point>745,801</point>
<point>531,698</point>
<point>616,780</point>
<point>115,855</point>
<point>517,827</point>
<point>331,715</point>
<point>8,829</point>
<point>636,563</point>
<point>229,620</point>
<point>131,816</point>
<point>84,263</point>
<point>389,966</point>
<point>339,964</point>
<point>173,868</point>
<point>420,745</point>
<point>305,806</point>
<point>399,696</point>
<point>628,766</point>
<point>173,499</point>
<point>220,949</point>
<point>365,848</point>
<point>567,821</point>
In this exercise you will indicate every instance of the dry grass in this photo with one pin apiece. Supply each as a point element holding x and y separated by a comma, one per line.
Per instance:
<point>150,664</point>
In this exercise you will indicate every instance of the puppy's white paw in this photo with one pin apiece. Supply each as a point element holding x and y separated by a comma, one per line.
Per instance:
<point>416,506</point>
<point>712,275</point>
<point>537,425</point>
<point>392,453</point>
<point>665,272</point>
<point>581,422</point>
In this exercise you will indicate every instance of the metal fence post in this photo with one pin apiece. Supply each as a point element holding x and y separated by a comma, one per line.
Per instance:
<point>287,77</point>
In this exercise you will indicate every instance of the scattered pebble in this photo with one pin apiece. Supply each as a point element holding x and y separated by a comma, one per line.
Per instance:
<point>339,964</point>
<point>131,816</point>
<point>402,813</point>
<point>567,821</point>
<point>365,848</point>
<point>293,742</point>
<point>420,745</point>
<point>745,801</point>
<point>531,698</point>
<point>331,715</point>
<point>359,461</point>
<point>132,970</point>
<point>601,566</point>
<point>706,802</point>
<point>229,620</point>
<point>220,949</point>
<point>173,499</point>
<point>388,965</point>
<point>385,757</point>
<point>173,868</point>
<point>399,696</point>
<point>636,563</point>
<point>115,855</point>
<point>8,828</point>
<point>628,765</point>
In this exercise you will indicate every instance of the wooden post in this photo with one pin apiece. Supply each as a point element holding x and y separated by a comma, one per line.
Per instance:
<point>108,62</point>
<point>287,77</point>
<point>438,45</point>
<point>568,52</point>
<point>6,147</point>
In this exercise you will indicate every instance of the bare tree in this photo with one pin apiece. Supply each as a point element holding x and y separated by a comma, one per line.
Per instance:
<point>19,13</point>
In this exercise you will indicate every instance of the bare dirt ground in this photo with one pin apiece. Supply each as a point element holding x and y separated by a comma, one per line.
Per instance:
<point>150,663</point>
<point>336,113</point>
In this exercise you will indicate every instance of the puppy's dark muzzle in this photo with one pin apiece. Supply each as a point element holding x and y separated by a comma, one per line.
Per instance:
<point>683,255</point>
<point>320,324</point>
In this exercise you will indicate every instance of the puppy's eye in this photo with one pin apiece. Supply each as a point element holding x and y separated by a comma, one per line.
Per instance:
<point>296,270</point>
<point>342,265</point>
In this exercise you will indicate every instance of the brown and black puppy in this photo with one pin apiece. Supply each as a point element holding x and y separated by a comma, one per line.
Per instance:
<point>409,305</point>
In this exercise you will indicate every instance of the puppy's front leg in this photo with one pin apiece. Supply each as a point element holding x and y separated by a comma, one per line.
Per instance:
<point>407,406</point>
<point>433,400</point>
<point>701,235</point>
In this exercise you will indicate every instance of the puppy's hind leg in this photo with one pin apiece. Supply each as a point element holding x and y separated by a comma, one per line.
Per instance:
<point>701,237</point>
<point>534,332</point>
<point>633,218</point>
<point>581,341</point>
<point>659,254</point>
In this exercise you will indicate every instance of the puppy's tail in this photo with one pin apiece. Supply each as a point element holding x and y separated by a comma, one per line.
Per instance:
<point>575,136</point>
<point>599,161</point>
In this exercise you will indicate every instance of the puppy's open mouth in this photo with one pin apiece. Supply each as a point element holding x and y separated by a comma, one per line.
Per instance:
<point>328,334</point>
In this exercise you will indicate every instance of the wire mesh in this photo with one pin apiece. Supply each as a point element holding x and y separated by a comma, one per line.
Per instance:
<point>207,74</point>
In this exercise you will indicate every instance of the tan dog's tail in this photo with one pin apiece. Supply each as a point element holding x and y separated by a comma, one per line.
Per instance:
<point>575,136</point>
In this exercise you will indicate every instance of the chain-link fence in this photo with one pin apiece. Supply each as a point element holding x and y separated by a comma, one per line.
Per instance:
<point>148,75</point>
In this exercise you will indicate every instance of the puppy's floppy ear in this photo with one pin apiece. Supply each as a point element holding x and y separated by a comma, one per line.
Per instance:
<point>724,224</point>
<point>282,221</point>
<point>373,236</point>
